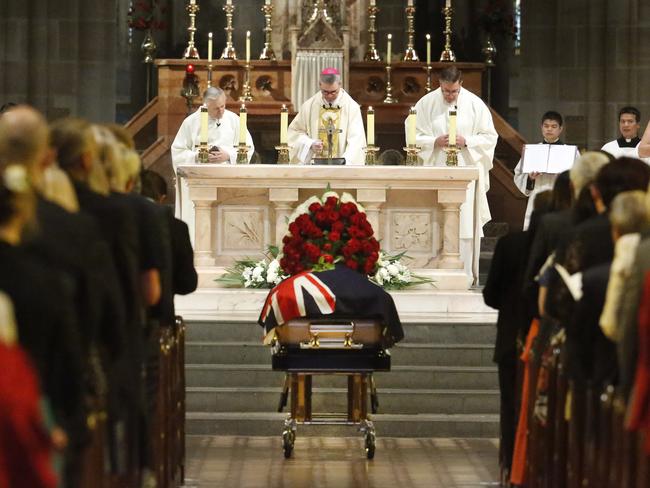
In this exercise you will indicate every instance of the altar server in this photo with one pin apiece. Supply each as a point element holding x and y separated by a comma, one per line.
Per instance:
<point>629,119</point>
<point>307,137</point>
<point>476,138</point>
<point>223,135</point>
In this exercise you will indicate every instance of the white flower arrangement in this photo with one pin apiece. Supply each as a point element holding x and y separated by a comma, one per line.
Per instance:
<point>265,273</point>
<point>393,274</point>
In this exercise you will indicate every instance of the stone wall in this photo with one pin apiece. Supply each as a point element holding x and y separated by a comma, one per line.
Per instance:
<point>586,59</point>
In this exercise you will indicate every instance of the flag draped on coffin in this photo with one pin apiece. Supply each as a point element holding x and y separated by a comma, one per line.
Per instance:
<point>337,293</point>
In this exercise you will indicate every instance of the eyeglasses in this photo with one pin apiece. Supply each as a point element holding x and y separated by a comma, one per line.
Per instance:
<point>330,92</point>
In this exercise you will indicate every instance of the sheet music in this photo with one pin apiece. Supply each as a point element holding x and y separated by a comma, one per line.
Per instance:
<point>535,158</point>
<point>548,158</point>
<point>561,158</point>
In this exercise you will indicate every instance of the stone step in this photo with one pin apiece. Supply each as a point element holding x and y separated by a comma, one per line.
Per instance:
<point>206,352</point>
<point>436,333</point>
<point>415,377</point>
<point>391,400</point>
<point>386,425</point>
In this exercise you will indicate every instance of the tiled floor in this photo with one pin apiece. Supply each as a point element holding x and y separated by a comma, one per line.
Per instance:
<point>320,462</point>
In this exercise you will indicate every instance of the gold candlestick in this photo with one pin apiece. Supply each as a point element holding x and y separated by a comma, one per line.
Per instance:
<point>267,50</point>
<point>209,75</point>
<point>371,154</point>
<point>202,157</point>
<point>427,87</point>
<point>242,153</point>
<point>389,87</point>
<point>452,155</point>
<point>410,54</point>
<point>283,153</point>
<point>372,54</point>
<point>246,95</point>
<point>229,51</point>
<point>412,158</point>
<point>191,52</point>
<point>447,54</point>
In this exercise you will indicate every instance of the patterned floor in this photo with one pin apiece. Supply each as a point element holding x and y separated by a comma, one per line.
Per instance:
<point>326,462</point>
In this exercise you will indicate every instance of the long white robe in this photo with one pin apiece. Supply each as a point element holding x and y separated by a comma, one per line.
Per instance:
<point>223,133</point>
<point>303,130</point>
<point>474,123</point>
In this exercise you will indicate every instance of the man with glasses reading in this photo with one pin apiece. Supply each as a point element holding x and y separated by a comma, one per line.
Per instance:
<point>331,108</point>
<point>476,139</point>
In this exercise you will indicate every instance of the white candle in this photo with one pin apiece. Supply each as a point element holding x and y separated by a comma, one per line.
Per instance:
<point>228,2</point>
<point>192,2</point>
<point>209,47</point>
<point>203,139</point>
<point>388,48</point>
<point>372,3</point>
<point>248,47</point>
<point>267,2</point>
<point>370,122</point>
<point>409,3</point>
<point>410,127</point>
<point>428,48</point>
<point>242,124</point>
<point>448,3</point>
<point>452,128</point>
<point>284,123</point>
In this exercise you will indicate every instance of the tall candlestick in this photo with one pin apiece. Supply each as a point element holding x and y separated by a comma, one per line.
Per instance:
<point>452,127</point>
<point>191,52</point>
<point>389,48</point>
<point>209,47</point>
<point>410,127</point>
<point>248,47</point>
<point>203,139</point>
<point>242,124</point>
<point>409,53</point>
<point>267,51</point>
<point>284,123</point>
<point>428,48</point>
<point>370,122</point>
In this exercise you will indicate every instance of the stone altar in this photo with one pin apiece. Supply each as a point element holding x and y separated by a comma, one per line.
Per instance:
<point>239,210</point>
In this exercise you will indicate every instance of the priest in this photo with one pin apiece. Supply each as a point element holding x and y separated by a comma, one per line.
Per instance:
<point>476,138</point>
<point>223,132</point>
<point>331,106</point>
<point>629,119</point>
<point>531,184</point>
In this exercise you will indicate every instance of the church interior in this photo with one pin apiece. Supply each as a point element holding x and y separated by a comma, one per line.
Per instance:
<point>564,403</point>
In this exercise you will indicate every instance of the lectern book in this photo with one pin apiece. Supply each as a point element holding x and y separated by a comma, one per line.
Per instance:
<point>548,158</point>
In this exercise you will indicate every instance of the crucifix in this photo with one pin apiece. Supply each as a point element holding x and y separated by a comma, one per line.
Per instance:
<point>330,129</point>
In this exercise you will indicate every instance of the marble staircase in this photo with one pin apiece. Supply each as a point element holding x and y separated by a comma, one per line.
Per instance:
<point>442,384</point>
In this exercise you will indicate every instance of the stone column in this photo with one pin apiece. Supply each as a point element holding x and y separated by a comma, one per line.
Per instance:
<point>372,200</point>
<point>203,198</point>
<point>450,202</point>
<point>283,200</point>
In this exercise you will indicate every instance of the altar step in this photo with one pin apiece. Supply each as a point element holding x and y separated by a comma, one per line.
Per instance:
<point>442,383</point>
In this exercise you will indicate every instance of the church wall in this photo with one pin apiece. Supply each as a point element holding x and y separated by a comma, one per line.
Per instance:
<point>585,59</point>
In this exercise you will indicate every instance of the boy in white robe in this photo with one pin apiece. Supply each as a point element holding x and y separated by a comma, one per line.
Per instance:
<point>223,137</point>
<point>477,138</point>
<point>627,144</point>
<point>531,184</point>
<point>306,137</point>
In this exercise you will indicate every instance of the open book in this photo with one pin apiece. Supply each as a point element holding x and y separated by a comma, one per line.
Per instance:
<point>548,158</point>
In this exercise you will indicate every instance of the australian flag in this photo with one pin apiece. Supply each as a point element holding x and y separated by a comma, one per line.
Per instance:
<point>337,293</point>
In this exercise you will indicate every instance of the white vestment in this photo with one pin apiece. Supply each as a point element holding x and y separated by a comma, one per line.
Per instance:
<point>304,130</point>
<point>543,182</point>
<point>474,123</point>
<point>222,133</point>
<point>613,148</point>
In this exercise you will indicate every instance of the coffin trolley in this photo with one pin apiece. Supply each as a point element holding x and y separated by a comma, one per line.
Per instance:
<point>334,346</point>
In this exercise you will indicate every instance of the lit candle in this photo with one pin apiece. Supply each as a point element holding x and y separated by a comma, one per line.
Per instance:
<point>428,48</point>
<point>248,47</point>
<point>452,127</point>
<point>203,139</point>
<point>370,122</point>
<point>242,124</point>
<point>209,47</point>
<point>388,48</point>
<point>410,127</point>
<point>284,124</point>
<point>447,3</point>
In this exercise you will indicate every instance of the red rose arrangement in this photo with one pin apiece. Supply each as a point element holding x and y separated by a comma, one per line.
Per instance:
<point>326,231</point>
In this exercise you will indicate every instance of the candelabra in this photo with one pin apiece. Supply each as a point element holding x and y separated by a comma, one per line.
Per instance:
<point>447,54</point>
<point>412,158</point>
<point>452,155</point>
<point>372,54</point>
<point>246,95</point>
<point>371,154</point>
<point>229,51</point>
<point>389,87</point>
<point>242,153</point>
<point>203,156</point>
<point>267,51</point>
<point>283,153</point>
<point>410,54</point>
<point>191,52</point>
